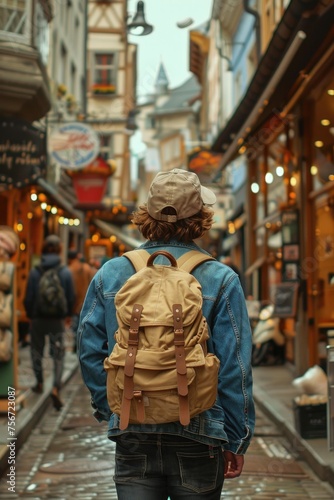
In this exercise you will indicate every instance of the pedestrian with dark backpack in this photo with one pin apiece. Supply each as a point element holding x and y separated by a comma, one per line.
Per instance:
<point>48,302</point>
<point>165,351</point>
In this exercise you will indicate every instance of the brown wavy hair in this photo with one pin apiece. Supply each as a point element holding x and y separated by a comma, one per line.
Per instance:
<point>182,230</point>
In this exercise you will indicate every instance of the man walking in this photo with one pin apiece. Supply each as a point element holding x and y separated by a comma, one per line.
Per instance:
<point>161,460</point>
<point>48,301</point>
<point>82,275</point>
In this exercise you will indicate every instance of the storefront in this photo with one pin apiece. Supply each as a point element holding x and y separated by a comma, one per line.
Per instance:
<point>31,208</point>
<point>317,266</point>
<point>290,224</point>
<point>284,129</point>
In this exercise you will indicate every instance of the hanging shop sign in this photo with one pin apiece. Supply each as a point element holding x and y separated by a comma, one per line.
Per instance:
<point>22,153</point>
<point>90,183</point>
<point>74,145</point>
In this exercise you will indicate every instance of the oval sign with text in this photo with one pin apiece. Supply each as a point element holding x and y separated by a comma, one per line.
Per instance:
<point>74,145</point>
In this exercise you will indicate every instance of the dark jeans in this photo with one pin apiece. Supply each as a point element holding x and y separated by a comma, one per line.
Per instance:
<point>158,466</point>
<point>54,328</point>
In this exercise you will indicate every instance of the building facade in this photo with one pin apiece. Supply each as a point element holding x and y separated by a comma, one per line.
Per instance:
<point>25,98</point>
<point>282,131</point>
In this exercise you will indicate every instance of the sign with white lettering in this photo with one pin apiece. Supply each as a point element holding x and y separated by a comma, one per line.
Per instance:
<point>286,300</point>
<point>22,152</point>
<point>74,145</point>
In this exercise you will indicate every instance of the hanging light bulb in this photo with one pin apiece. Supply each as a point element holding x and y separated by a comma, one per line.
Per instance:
<point>255,188</point>
<point>269,178</point>
<point>279,171</point>
<point>293,181</point>
<point>33,196</point>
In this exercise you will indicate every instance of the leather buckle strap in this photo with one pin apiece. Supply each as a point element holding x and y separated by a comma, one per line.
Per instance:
<point>133,340</point>
<point>184,410</point>
<point>135,322</point>
<point>177,319</point>
<point>129,366</point>
<point>125,412</point>
<point>181,367</point>
<point>138,397</point>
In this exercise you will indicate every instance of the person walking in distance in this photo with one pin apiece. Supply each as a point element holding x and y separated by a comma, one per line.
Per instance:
<point>82,275</point>
<point>49,301</point>
<point>154,461</point>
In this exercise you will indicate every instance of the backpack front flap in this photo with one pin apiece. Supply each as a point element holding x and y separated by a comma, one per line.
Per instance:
<point>154,381</point>
<point>157,288</point>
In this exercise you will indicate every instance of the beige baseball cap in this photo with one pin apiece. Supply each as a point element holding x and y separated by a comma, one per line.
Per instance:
<point>180,190</point>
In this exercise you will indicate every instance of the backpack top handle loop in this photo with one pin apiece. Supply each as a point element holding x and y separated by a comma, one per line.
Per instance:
<point>168,255</point>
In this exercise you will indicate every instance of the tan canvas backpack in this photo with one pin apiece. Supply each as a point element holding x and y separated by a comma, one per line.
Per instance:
<point>159,369</point>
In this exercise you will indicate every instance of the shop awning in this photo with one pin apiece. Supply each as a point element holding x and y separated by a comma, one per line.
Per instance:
<point>304,27</point>
<point>110,229</point>
<point>63,203</point>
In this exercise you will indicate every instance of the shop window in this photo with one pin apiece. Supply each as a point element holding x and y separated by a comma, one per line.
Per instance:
<point>322,168</point>
<point>69,17</point>
<point>104,73</point>
<point>149,122</point>
<point>106,146</point>
<point>73,78</point>
<point>63,63</point>
<point>276,188</point>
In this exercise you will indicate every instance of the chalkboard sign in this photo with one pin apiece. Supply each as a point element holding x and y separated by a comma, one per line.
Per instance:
<point>285,301</point>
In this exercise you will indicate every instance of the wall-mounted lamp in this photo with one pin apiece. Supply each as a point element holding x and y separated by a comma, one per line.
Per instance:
<point>138,25</point>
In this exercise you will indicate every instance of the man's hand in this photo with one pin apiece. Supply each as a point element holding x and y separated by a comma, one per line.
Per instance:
<point>233,464</point>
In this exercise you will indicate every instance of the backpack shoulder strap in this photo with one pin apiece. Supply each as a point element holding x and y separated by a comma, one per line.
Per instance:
<point>138,258</point>
<point>42,270</point>
<point>190,260</point>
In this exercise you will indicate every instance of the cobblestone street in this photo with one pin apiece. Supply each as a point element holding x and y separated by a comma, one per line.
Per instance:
<point>68,456</point>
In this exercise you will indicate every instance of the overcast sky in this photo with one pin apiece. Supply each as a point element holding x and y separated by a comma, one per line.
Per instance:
<point>167,43</point>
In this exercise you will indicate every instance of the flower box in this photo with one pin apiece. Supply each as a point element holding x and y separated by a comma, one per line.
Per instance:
<point>101,89</point>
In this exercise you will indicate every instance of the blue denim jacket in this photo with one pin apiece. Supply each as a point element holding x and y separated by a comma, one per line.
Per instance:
<point>230,422</point>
